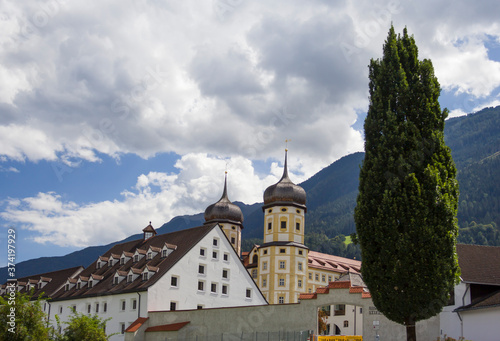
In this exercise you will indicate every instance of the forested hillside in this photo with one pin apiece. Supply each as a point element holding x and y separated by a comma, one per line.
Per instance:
<point>331,197</point>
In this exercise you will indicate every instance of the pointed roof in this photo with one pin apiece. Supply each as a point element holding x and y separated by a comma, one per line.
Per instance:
<point>224,210</point>
<point>285,191</point>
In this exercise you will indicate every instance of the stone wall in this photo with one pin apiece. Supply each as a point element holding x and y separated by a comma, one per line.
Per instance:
<point>285,317</point>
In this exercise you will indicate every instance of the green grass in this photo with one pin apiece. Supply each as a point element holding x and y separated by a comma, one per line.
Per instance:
<point>347,240</point>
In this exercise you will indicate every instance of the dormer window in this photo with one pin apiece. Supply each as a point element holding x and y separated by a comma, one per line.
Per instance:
<point>149,231</point>
<point>129,278</point>
<point>150,255</point>
<point>98,265</point>
<point>136,258</point>
<point>110,263</point>
<point>117,280</point>
<point>79,285</point>
<point>90,284</point>
<point>66,287</point>
<point>164,253</point>
<point>145,276</point>
<point>122,260</point>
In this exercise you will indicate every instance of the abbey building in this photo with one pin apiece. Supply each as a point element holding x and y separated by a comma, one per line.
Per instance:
<point>283,267</point>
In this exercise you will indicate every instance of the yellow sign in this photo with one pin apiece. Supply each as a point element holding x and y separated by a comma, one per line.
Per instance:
<point>340,338</point>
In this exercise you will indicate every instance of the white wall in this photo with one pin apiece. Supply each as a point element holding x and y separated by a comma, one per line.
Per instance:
<point>186,294</point>
<point>482,324</point>
<point>114,310</point>
<point>353,315</point>
<point>450,324</point>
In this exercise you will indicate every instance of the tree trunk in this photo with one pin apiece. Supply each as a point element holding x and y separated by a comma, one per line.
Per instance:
<point>411,331</point>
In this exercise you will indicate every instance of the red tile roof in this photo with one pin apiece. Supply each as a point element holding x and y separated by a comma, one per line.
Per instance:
<point>167,327</point>
<point>479,264</point>
<point>333,263</point>
<point>136,324</point>
<point>183,240</point>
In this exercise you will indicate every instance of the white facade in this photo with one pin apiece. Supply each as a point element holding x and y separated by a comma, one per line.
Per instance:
<point>222,271</point>
<point>211,261</point>
<point>482,324</point>
<point>123,309</point>
<point>450,323</point>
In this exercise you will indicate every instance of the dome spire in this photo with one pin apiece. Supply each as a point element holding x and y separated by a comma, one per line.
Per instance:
<point>224,210</point>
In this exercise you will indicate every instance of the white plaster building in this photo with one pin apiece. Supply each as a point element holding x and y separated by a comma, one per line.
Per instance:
<point>191,269</point>
<point>474,309</point>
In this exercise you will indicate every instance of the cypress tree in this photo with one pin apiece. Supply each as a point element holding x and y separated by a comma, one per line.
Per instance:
<point>408,194</point>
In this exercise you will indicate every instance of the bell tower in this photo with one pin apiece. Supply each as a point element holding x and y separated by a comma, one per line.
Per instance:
<point>228,216</point>
<point>282,263</point>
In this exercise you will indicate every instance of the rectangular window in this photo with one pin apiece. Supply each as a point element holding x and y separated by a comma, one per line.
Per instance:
<point>316,277</point>
<point>201,286</point>
<point>233,240</point>
<point>282,264</point>
<point>164,253</point>
<point>105,307</point>
<point>254,273</point>
<point>282,282</point>
<point>78,285</point>
<point>269,226</point>
<point>97,307</point>
<point>150,255</point>
<point>300,252</point>
<point>225,273</point>
<point>134,304</point>
<point>346,324</point>
<point>224,289</point>
<point>310,275</point>
<point>174,281</point>
<point>264,283</point>
<point>281,300</point>
<point>283,225</point>
<point>215,255</point>
<point>110,263</point>
<point>299,283</point>
<point>297,226</point>
<point>173,306</point>
<point>122,328</point>
<point>116,280</point>
<point>282,250</point>
<point>201,269</point>
<point>323,278</point>
<point>98,265</point>
<point>249,293</point>
<point>329,278</point>
<point>202,252</point>
<point>89,307</point>
<point>129,278</point>
<point>66,287</point>
<point>339,310</point>
<point>300,266</point>
<point>145,276</point>
<point>215,242</point>
<point>122,261</point>
<point>199,307</point>
<point>226,257</point>
<point>264,266</point>
<point>136,258</point>
<point>60,310</point>
<point>213,288</point>
<point>123,304</point>
<point>91,284</point>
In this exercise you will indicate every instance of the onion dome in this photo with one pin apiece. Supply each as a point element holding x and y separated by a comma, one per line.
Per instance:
<point>285,191</point>
<point>224,210</point>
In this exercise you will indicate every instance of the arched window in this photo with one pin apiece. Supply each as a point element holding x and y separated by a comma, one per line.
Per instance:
<point>255,259</point>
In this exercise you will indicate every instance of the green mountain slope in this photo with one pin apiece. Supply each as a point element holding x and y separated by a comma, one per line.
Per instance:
<point>331,197</point>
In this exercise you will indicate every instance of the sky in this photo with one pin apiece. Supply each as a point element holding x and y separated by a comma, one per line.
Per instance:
<point>116,113</point>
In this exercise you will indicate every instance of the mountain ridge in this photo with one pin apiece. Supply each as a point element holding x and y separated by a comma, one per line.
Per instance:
<point>331,197</point>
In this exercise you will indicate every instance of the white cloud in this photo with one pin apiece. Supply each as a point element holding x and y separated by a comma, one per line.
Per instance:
<point>156,197</point>
<point>150,77</point>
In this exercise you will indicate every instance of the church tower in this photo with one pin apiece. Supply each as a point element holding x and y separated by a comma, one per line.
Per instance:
<point>282,262</point>
<point>228,216</point>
